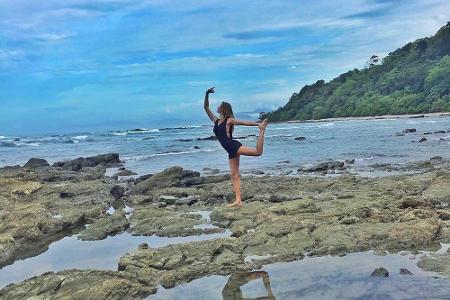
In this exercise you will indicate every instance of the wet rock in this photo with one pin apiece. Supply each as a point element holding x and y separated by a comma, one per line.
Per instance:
<point>423,140</point>
<point>107,160</point>
<point>300,138</point>
<point>80,284</point>
<point>349,220</point>
<point>440,131</point>
<point>212,171</point>
<point>34,214</point>
<point>209,138</point>
<point>167,199</point>
<point>36,163</point>
<point>117,191</point>
<point>189,200</point>
<point>380,272</point>
<point>404,271</point>
<point>166,222</point>
<point>125,173</point>
<point>176,264</point>
<point>169,177</point>
<point>409,130</point>
<point>437,158</point>
<point>109,225</point>
<point>323,167</point>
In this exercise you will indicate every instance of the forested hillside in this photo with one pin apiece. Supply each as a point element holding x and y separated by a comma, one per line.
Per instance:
<point>412,79</point>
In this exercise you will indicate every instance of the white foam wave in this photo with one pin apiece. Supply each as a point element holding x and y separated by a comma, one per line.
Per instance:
<point>119,133</point>
<point>80,137</point>
<point>143,130</point>
<point>326,125</point>
<point>148,156</point>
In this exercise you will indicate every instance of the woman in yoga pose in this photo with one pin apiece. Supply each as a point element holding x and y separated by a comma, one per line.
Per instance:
<point>223,129</point>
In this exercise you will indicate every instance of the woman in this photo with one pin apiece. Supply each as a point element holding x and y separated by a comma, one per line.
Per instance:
<point>223,129</point>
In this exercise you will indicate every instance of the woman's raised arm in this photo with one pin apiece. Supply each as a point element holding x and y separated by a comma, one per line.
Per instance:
<point>240,122</point>
<point>206,105</point>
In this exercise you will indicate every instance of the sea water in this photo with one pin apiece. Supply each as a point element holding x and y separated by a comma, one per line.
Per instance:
<point>149,150</point>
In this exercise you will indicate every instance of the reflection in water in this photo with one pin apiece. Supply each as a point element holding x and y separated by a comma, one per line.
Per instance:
<point>232,289</point>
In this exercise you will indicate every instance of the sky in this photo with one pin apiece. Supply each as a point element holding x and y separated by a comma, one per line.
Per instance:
<point>107,64</point>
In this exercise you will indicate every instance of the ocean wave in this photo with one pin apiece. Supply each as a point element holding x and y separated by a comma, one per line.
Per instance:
<point>326,125</point>
<point>181,152</point>
<point>119,133</point>
<point>79,137</point>
<point>142,130</point>
<point>19,144</point>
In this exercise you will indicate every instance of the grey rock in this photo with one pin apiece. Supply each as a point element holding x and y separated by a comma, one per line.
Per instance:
<point>36,163</point>
<point>380,272</point>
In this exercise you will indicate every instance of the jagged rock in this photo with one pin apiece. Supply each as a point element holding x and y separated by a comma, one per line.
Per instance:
<point>107,160</point>
<point>80,284</point>
<point>409,130</point>
<point>125,173</point>
<point>380,272</point>
<point>117,191</point>
<point>423,140</point>
<point>405,271</point>
<point>109,225</point>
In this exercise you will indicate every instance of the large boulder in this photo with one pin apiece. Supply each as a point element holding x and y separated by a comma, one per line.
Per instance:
<point>36,163</point>
<point>170,177</point>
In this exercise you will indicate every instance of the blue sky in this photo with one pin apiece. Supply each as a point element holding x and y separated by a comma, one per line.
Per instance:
<point>84,65</point>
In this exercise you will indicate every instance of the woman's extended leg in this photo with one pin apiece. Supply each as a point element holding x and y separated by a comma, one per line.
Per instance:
<point>235,179</point>
<point>250,151</point>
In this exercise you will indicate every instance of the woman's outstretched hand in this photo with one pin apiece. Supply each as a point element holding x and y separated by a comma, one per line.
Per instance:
<point>210,90</point>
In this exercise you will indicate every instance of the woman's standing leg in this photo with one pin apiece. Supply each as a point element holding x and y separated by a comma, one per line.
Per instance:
<point>236,180</point>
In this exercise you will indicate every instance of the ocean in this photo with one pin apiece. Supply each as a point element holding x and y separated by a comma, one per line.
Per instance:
<point>150,150</point>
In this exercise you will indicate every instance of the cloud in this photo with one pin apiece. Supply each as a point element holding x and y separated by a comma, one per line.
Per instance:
<point>54,36</point>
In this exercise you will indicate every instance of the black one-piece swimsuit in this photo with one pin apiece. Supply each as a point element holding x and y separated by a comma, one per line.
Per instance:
<point>230,145</point>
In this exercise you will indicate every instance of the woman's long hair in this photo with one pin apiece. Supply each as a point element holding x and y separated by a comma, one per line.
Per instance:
<point>226,111</point>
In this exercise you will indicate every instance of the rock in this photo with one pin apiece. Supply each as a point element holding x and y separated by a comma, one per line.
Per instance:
<point>405,271</point>
<point>36,163</point>
<point>80,284</point>
<point>107,160</point>
<point>300,138</point>
<point>142,178</point>
<point>189,200</point>
<point>349,220</point>
<point>423,140</point>
<point>324,167</point>
<point>167,199</point>
<point>380,272</point>
<point>209,138</point>
<point>169,177</point>
<point>117,191</point>
<point>440,131</point>
<point>350,161</point>
<point>409,130</point>
<point>125,173</point>
<point>109,225</point>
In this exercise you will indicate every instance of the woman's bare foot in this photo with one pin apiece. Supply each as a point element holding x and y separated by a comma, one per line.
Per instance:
<point>235,203</point>
<point>263,124</point>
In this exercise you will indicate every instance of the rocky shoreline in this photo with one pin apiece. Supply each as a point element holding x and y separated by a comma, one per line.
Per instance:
<point>284,218</point>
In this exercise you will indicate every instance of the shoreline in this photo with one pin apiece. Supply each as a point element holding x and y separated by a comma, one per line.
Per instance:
<point>381,117</point>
